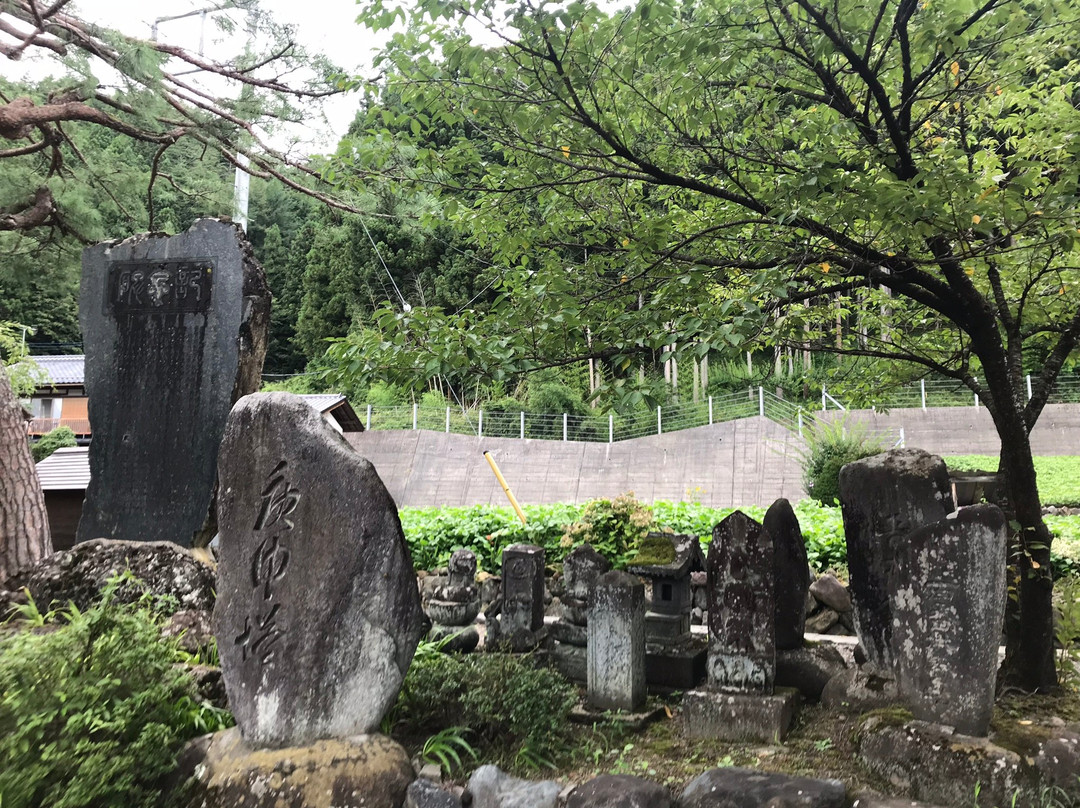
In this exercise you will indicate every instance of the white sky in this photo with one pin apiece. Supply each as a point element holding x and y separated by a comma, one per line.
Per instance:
<point>325,26</point>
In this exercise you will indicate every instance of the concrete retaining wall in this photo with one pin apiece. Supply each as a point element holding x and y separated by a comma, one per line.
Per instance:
<point>751,461</point>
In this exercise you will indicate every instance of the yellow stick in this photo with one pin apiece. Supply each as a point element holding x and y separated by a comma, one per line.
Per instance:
<point>505,487</point>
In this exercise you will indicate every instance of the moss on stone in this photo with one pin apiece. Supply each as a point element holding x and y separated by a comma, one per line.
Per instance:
<point>653,551</point>
<point>1024,739</point>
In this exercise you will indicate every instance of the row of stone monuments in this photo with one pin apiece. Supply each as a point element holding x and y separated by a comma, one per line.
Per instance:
<point>318,612</point>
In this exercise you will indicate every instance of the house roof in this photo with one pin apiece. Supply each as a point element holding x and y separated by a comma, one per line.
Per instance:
<point>66,469</point>
<point>71,370</point>
<point>61,369</point>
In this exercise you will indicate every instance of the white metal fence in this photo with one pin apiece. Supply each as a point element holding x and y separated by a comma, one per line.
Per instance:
<point>603,428</point>
<point>715,409</point>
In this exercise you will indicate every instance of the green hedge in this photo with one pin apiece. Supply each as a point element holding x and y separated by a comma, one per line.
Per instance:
<point>434,533</point>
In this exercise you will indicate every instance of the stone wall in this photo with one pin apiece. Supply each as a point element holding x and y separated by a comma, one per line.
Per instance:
<point>751,461</point>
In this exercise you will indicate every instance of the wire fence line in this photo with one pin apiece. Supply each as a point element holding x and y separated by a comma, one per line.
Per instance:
<point>797,416</point>
<point>601,428</point>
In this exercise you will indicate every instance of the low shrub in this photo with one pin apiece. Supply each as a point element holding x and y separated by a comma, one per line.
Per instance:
<point>614,527</point>
<point>93,708</point>
<point>515,709</point>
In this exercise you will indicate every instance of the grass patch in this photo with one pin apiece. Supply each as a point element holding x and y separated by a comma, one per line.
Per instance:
<point>1059,477</point>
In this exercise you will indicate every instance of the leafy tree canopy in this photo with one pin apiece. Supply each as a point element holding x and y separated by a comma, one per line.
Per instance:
<point>694,175</point>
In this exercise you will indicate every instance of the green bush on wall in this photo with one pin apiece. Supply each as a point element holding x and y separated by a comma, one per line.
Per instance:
<point>830,447</point>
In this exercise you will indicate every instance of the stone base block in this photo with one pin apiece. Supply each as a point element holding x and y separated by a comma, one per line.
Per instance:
<point>463,639</point>
<point>740,717</point>
<point>569,633</point>
<point>659,626</point>
<point>366,771</point>
<point>675,667</point>
<point>572,661</point>
<point>933,763</point>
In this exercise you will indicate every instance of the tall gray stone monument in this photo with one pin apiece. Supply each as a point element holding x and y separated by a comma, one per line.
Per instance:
<point>318,612</point>
<point>175,332</point>
<point>616,651</point>
<point>949,605</point>
<point>883,498</point>
<point>740,701</point>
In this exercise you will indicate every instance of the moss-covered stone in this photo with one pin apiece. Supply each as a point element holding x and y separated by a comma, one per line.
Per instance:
<point>653,550</point>
<point>368,771</point>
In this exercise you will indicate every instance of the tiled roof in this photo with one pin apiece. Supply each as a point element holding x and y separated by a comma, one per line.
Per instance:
<point>323,401</point>
<point>65,469</point>
<point>61,369</point>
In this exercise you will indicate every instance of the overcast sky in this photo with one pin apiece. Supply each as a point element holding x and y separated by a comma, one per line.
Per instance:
<point>325,26</point>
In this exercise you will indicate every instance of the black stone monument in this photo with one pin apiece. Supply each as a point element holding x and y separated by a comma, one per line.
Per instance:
<point>175,332</point>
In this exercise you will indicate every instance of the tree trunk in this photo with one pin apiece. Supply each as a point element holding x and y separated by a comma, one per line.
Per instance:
<point>1029,624</point>
<point>24,525</point>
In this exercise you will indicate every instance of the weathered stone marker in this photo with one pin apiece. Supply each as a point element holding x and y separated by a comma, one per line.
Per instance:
<point>521,624</point>
<point>740,701</point>
<point>948,609</point>
<point>453,607</point>
<point>742,644</point>
<point>318,612</point>
<point>616,667</point>
<point>175,331</point>
<point>791,574</point>
<point>582,567</point>
<point>883,498</point>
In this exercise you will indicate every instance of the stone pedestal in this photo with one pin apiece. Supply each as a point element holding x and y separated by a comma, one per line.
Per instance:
<point>616,651</point>
<point>751,717</point>
<point>366,771</point>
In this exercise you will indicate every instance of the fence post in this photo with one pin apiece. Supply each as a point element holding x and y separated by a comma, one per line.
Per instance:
<point>414,406</point>
<point>523,426</point>
<point>367,426</point>
<point>480,424</point>
<point>922,391</point>
<point>823,398</point>
<point>761,401</point>
<point>658,422</point>
<point>710,410</point>
<point>610,428</point>
<point>1029,386</point>
<point>447,420</point>
<point>800,423</point>
<point>903,442</point>
<point>564,426</point>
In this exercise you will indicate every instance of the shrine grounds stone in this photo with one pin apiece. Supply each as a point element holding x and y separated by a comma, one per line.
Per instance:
<point>616,645</point>
<point>791,573</point>
<point>619,791</point>
<point>175,330</point>
<point>948,610</point>
<point>732,787</point>
<point>883,498</point>
<point>740,701</point>
<point>224,771</point>
<point>490,787</point>
<point>318,613</point>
